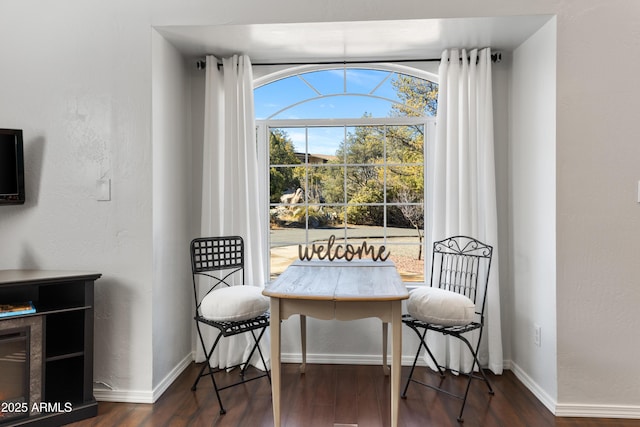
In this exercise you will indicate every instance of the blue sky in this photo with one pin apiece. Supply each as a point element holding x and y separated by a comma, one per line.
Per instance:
<point>329,88</point>
<point>368,92</point>
<point>322,140</point>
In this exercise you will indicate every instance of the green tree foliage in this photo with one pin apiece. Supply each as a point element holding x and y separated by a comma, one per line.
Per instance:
<point>418,97</point>
<point>281,152</point>
<point>362,148</point>
<point>371,192</point>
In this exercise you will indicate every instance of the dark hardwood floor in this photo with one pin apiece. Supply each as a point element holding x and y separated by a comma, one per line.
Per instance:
<point>338,395</point>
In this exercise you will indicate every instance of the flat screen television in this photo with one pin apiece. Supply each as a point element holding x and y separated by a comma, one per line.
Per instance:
<point>11,167</point>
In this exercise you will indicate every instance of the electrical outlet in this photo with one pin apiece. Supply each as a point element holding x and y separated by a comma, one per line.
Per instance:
<point>537,331</point>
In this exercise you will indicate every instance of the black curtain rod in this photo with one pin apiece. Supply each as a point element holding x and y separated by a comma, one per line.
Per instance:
<point>201,64</point>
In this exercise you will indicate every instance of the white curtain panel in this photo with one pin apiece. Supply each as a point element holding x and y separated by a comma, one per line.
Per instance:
<point>464,189</point>
<point>231,203</point>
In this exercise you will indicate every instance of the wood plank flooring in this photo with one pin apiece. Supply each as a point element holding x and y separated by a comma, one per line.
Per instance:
<point>338,395</point>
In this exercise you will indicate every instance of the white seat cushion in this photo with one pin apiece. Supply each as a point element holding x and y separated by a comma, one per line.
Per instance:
<point>439,306</point>
<point>234,303</point>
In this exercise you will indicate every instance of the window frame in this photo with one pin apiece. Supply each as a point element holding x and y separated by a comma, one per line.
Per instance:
<point>264,126</point>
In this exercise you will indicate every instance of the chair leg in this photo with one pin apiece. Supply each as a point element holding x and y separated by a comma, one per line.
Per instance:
<point>403,395</point>
<point>211,372</point>
<point>474,353</point>
<point>207,356</point>
<point>253,349</point>
<point>267,370</point>
<point>475,363</point>
<point>213,377</point>
<point>256,346</point>
<point>484,376</point>
<point>207,364</point>
<point>433,359</point>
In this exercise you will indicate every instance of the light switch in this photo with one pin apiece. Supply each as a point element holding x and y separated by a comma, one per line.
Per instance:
<point>103,189</point>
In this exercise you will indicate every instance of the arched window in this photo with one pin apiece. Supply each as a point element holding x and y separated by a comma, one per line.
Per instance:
<point>346,158</point>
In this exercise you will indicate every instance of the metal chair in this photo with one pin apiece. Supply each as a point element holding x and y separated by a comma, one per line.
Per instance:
<point>460,268</point>
<point>215,307</point>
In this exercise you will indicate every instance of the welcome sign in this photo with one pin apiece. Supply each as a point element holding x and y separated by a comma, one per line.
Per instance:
<point>348,252</point>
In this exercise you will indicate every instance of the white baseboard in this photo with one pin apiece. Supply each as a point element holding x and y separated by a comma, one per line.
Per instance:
<point>171,376</point>
<point>124,396</point>
<point>534,388</point>
<point>597,411</point>
<point>577,410</point>
<point>143,396</point>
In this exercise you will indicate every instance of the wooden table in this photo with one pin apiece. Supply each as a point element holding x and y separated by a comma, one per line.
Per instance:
<point>342,290</point>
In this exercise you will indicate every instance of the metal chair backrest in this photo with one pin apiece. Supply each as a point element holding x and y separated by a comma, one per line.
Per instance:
<point>213,254</point>
<point>461,264</point>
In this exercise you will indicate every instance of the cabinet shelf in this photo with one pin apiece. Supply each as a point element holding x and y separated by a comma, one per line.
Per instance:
<point>41,310</point>
<point>64,356</point>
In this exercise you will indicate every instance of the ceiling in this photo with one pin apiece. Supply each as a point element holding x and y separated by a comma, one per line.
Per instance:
<point>362,40</point>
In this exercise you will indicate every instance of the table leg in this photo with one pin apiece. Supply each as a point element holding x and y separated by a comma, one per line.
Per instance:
<point>303,341</point>
<point>274,327</point>
<point>396,355</point>
<point>385,335</point>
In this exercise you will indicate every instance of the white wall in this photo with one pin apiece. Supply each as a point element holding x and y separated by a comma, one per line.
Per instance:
<point>76,76</point>
<point>532,201</point>
<point>172,225</point>
<point>598,214</point>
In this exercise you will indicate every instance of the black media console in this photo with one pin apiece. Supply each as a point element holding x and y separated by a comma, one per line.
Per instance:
<point>59,356</point>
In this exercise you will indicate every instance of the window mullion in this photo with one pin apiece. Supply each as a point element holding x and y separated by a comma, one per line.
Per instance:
<point>384,180</point>
<point>345,200</point>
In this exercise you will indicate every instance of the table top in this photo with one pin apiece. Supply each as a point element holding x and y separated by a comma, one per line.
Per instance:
<point>339,280</point>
